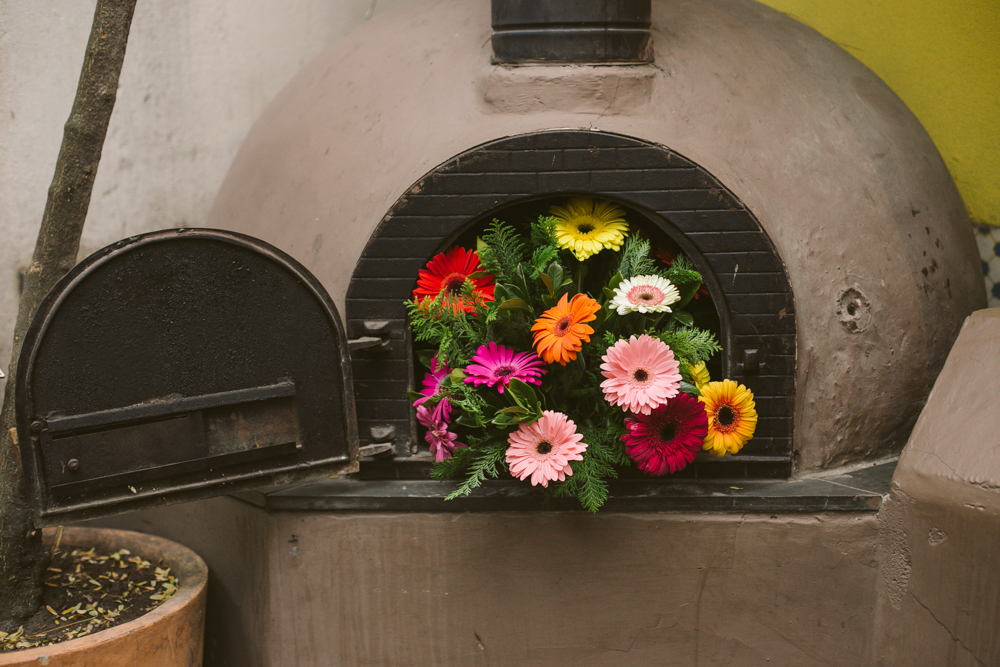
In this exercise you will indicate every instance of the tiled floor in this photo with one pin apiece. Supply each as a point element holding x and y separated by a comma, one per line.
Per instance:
<point>988,239</point>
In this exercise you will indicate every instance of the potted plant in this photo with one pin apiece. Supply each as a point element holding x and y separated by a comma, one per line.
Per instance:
<point>172,633</point>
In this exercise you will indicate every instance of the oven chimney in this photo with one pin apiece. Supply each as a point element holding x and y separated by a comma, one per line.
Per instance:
<point>571,31</point>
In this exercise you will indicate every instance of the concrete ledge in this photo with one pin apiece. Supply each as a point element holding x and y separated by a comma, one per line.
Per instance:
<point>859,490</point>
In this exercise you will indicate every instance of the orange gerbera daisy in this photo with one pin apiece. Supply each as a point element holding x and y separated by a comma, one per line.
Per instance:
<point>560,332</point>
<point>732,417</point>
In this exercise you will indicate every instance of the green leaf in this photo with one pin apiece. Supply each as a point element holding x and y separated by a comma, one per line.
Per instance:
<point>481,245</point>
<point>683,317</point>
<point>414,396</point>
<point>457,376</point>
<point>688,388</point>
<point>515,304</point>
<point>548,282</point>
<point>556,275</point>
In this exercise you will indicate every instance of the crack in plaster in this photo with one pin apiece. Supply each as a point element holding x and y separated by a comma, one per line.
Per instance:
<point>945,627</point>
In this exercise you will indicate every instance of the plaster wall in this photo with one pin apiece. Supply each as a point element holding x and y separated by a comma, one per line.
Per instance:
<point>196,76</point>
<point>939,583</point>
<point>522,589</point>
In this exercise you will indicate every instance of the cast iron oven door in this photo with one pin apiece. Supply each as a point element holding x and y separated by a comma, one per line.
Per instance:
<point>178,365</point>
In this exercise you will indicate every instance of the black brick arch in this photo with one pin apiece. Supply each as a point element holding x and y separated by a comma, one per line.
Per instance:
<point>740,265</point>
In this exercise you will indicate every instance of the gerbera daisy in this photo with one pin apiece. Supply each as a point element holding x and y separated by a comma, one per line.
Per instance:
<point>544,449</point>
<point>442,441</point>
<point>447,272</point>
<point>731,416</point>
<point>585,227</point>
<point>641,373</point>
<point>699,375</point>
<point>495,363</point>
<point>646,294</point>
<point>669,437</point>
<point>560,332</point>
<point>432,381</point>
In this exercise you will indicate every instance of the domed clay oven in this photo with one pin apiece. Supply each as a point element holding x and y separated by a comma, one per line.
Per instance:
<point>832,238</point>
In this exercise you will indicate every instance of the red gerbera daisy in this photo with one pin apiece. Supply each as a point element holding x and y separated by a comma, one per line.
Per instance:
<point>447,273</point>
<point>669,438</point>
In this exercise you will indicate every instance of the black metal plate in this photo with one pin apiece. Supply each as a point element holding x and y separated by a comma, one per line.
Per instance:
<point>179,365</point>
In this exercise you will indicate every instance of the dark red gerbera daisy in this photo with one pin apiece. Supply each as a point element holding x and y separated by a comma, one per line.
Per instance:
<point>669,438</point>
<point>447,272</point>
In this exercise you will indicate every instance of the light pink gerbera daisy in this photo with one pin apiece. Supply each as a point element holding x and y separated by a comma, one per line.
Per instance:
<point>669,438</point>
<point>494,364</point>
<point>433,380</point>
<point>641,373</point>
<point>544,449</point>
<point>442,441</point>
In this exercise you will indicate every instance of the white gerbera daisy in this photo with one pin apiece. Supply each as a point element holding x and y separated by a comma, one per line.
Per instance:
<point>645,294</point>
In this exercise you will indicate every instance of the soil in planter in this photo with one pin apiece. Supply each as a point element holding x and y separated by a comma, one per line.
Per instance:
<point>86,592</point>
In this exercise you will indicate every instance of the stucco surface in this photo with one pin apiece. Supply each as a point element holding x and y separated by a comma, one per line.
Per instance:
<point>939,584</point>
<point>838,171</point>
<point>533,588</point>
<point>197,74</point>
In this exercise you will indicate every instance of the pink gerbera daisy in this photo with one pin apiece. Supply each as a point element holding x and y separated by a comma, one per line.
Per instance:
<point>442,441</point>
<point>494,364</point>
<point>433,380</point>
<point>544,449</point>
<point>641,374</point>
<point>669,437</point>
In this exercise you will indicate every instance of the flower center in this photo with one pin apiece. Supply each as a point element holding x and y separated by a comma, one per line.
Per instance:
<point>585,228</point>
<point>453,284</point>
<point>503,371</point>
<point>645,294</point>
<point>562,326</point>
<point>668,432</point>
<point>725,416</point>
<point>543,447</point>
<point>640,375</point>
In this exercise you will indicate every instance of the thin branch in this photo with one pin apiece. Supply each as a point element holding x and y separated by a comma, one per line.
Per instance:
<point>22,557</point>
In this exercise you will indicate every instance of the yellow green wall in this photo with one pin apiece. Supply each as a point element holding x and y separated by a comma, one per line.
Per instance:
<point>942,57</point>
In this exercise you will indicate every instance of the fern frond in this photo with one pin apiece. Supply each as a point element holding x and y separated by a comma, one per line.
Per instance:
<point>634,259</point>
<point>501,251</point>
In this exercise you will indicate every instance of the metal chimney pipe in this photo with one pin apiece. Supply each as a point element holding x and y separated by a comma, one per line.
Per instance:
<point>571,31</point>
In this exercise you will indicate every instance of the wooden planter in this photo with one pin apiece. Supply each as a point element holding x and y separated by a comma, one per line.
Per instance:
<point>169,636</point>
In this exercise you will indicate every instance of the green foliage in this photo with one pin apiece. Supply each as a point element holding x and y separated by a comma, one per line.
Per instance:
<point>482,462</point>
<point>634,259</point>
<point>589,480</point>
<point>691,345</point>
<point>501,251</point>
<point>682,274</point>
<point>543,240</point>
<point>438,321</point>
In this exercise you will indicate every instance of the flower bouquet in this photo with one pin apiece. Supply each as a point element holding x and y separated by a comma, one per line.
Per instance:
<point>562,352</point>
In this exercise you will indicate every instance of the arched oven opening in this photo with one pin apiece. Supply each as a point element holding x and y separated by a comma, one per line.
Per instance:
<point>678,205</point>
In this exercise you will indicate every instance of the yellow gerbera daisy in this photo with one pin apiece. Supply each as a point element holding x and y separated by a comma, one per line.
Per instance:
<point>699,375</point>
<point>585,227</point>
<point>731,416</point>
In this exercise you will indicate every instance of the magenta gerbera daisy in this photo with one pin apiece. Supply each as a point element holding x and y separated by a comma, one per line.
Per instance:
<point>442,441</point>
<point>543,450</point>
<point>669,437</point>
<point>433,380</point>
<point>641,373</point>
<point>494,364</point>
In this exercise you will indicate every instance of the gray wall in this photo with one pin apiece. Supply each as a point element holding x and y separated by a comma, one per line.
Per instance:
<point>196,76</point>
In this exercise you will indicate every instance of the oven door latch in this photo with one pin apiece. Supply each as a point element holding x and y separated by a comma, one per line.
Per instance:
<point>377,334</point>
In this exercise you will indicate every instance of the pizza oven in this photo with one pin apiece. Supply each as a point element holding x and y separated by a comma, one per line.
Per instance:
<point>831,237</point>
<point>833,243</point>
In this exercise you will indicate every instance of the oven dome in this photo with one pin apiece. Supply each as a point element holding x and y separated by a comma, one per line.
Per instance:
<point>840,175</point>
